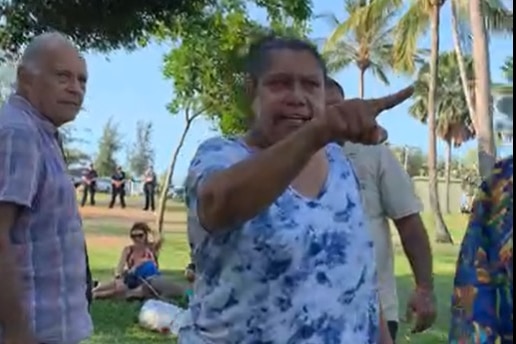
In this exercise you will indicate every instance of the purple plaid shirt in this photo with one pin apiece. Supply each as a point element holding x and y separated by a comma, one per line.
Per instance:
<point>47,237</point>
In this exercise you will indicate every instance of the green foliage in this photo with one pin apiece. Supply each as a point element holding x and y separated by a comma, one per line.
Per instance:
<point>7,76</point>
<point>69,139</point>
<point>412,159</point>
<point>101,25</point>
<point>365,38</point>
<point>207,66</point>
<point>109,145</point>
<point>141,155</point>
<point>415,22</point>
<point>505,89</point>
<point>105,25</point>
<point>453,122</point>
<point>507,69</point>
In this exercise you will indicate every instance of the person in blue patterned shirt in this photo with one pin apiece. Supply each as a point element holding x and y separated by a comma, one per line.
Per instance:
<point>282,254</point>
<point>482,302</point>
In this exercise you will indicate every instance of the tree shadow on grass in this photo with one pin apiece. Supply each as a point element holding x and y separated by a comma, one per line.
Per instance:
<point>439,333</point>
<point>116,321</point>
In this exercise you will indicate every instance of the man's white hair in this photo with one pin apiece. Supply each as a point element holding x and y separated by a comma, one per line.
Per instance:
<point>31,56</point>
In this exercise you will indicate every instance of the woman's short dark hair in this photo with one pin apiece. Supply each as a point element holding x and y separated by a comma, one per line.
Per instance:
<point>258,56</point>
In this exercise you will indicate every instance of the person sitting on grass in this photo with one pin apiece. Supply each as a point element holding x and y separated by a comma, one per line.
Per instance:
<point>138,264</point>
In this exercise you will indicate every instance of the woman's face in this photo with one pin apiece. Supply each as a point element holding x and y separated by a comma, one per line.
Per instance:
<point>289,93</point>
<point>138,236</point>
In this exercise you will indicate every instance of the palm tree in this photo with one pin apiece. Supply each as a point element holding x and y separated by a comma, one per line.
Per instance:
<point>453,123</point>
<point>484,16</point>
<point>365,38</point>
<point>505,89</point>
<point>420,15</point>
<point>505,104</point>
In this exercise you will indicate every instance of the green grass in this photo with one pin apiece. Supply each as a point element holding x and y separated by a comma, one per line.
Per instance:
<point>115,322</point>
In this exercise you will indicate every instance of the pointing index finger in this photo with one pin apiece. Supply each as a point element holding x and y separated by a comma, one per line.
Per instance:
<point>388,102</point>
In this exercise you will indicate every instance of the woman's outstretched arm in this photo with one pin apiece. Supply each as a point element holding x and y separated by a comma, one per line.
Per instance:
<point>228,194</point>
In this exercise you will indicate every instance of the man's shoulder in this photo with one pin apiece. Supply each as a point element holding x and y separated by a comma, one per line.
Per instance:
<point>364,157</point>
<point>12,118</point>
<point>364,151</point>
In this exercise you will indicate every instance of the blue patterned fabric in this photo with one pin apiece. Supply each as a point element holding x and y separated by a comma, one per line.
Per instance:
<point>300,272</point>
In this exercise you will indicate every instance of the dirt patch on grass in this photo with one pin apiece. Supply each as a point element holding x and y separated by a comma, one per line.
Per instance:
<point>105,241</point>
<point>175,221</point>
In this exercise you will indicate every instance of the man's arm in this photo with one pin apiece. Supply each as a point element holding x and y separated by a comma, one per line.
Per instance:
<point>481,285</point>
<point>12,315</point>
<point>19,161</point>
<point>403,206</point>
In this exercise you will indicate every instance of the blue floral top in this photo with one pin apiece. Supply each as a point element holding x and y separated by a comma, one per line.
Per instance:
<point>301,272</point>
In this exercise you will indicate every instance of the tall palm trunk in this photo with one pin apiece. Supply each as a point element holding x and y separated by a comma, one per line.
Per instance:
<point>361,82</point>
<point>447,176</point>
<point>441,231</point>
<point>462,67</point>
<point>483,107</point>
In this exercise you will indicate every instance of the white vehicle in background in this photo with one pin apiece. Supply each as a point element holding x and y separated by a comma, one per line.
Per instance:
<point>104,185</point>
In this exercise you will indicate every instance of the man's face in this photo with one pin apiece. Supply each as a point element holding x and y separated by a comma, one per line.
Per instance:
<point>333,95</point>
<point>58,87</point>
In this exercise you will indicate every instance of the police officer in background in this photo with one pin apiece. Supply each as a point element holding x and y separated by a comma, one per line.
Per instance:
<point>149,188</point>
<point>118,187</point>
<point>89,183</point>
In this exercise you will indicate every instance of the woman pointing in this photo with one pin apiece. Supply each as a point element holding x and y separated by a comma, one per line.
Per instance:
<point>285,257</point>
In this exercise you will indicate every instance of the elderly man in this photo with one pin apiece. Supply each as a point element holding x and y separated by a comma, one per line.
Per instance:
<point>388,193</point>
<point>42,261</point>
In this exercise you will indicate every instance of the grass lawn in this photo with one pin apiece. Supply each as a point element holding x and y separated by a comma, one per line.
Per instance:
<point>115,322</point>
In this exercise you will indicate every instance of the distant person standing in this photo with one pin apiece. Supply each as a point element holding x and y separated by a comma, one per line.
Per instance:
<point>118,187</point>
<point>89,183</point>
<point>149,188</point>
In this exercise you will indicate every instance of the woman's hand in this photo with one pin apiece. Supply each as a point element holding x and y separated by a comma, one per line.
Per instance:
<point>355,119</point>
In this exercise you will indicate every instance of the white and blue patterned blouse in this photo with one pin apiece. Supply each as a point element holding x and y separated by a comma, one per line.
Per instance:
<point>301,272</point>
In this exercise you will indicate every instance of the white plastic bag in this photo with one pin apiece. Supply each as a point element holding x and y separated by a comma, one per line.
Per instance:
<point>162,317</point>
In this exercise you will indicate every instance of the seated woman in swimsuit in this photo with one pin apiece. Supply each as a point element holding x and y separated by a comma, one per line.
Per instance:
<point>138,264</point>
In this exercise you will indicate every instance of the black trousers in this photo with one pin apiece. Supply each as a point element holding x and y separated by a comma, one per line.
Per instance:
<point>393,329</point>
<point>117,192</point>
<point>149,191</point>
<point>89,279</point>
<point>88,190</point>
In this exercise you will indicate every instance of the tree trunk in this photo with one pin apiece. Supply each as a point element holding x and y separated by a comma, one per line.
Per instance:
<point>483,108</point>
<point>441,231</point>
<point>361,82</point>
<point>160,218</point>
<point>405,158</point>
<point>462,67</point>
<point>447,175</point>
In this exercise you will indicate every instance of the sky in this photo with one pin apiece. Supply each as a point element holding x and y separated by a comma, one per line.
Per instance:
<point>129,86</point>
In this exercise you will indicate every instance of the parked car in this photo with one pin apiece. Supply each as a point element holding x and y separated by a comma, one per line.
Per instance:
<point>77,181</point>
<point>104,185</point>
